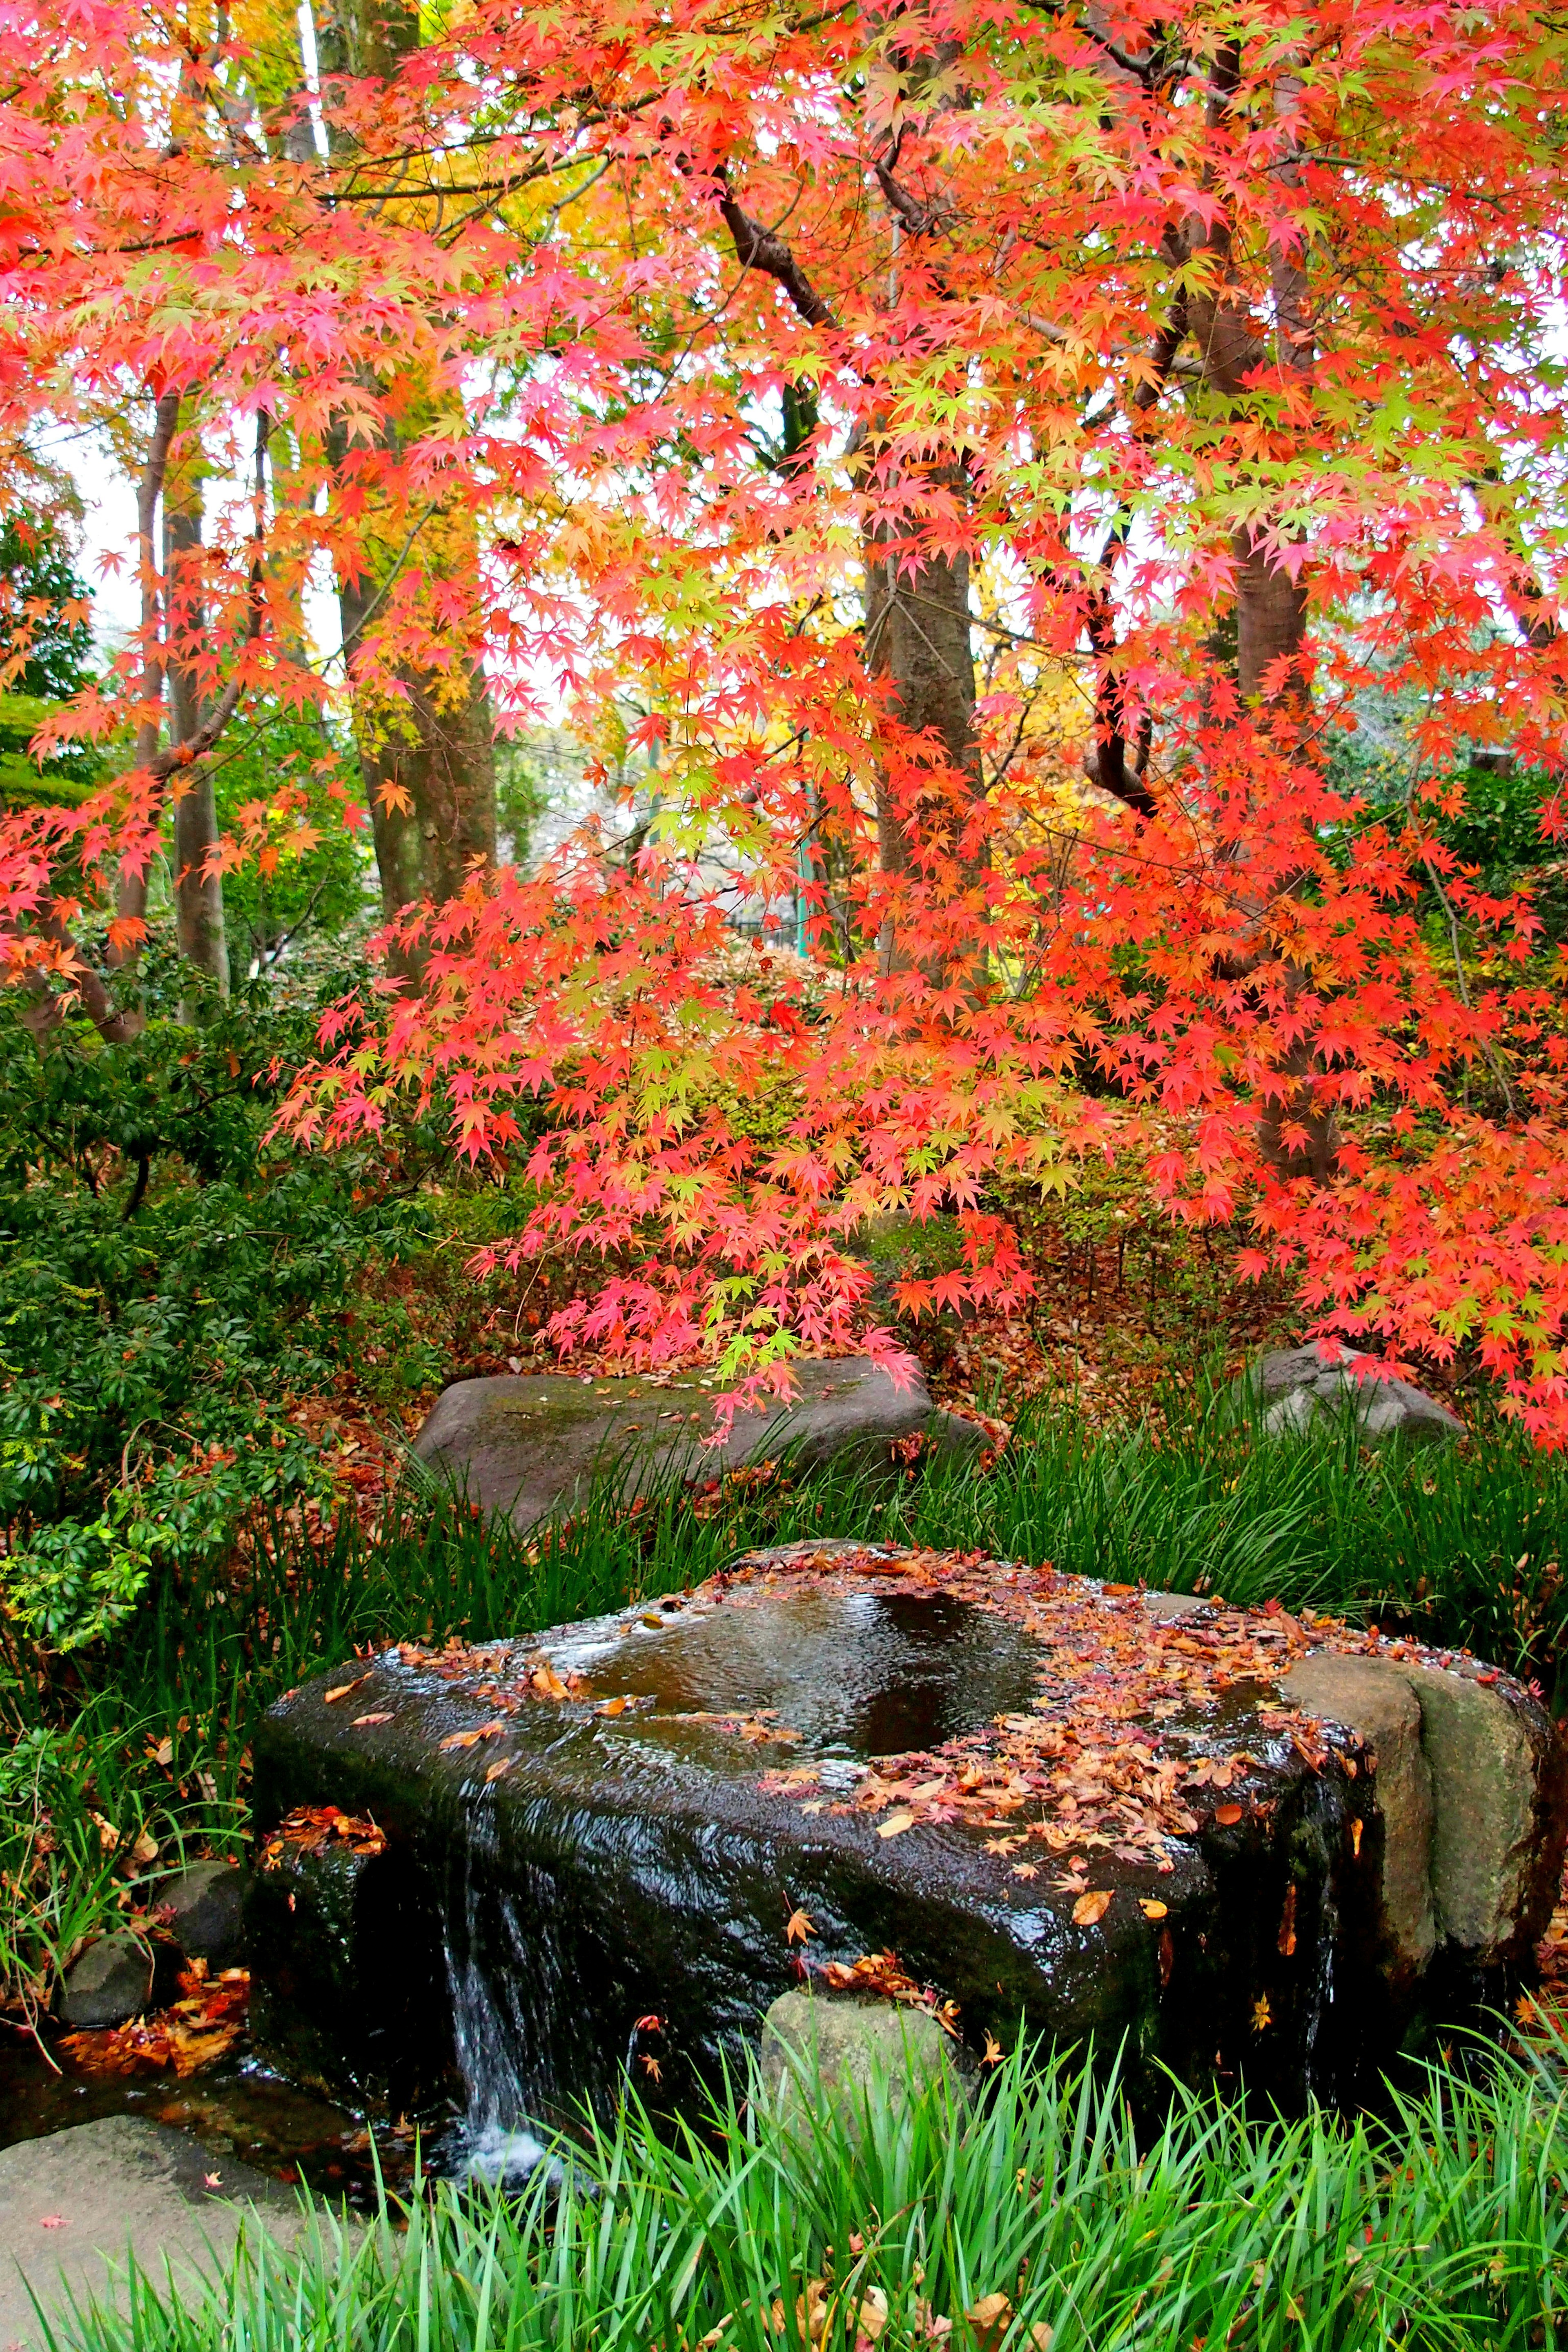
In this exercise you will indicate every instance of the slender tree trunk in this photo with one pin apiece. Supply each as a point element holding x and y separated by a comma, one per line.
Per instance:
<point>198,881</point>
<point>131,885</point>
<point>918,637</point>
<point>427,756</point>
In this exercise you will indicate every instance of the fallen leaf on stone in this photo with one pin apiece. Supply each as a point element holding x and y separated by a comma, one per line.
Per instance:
<point>616,1706</point>
<point>648,2025</point>
<point>1287,1938</point>
<point>310,1829</point>
<point>798,1928</point>
<point>1150,1908</point>
<point>342,1689</point>
<point>992,2053</point>
<point>503,1764</point>
<point>1227,1816</point>
<point>370,1718</point>
<point>1262,2015</point>
<point>1355,1840</point>
<point>895,1825</point>
<point>1089,1909</point>
<point>470,1739</point>
<point>1024,1870</point>
<point>815,1805</point>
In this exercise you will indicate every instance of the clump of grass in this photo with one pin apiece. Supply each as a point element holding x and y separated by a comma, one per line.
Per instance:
<point>1041,2218</point>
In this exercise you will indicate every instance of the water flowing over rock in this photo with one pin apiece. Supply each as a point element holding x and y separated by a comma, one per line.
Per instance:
<point>534,1445</point>
<point>1015,1800</point>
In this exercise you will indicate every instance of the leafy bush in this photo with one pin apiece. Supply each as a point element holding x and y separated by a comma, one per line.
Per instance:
<point>170,1284</point>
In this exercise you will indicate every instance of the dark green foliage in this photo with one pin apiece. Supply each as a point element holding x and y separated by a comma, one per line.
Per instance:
<point>39,587</point>
<point>37,570</point>
<point>1497,836</point>
<point>285,769</point>
<point>170,1284</point>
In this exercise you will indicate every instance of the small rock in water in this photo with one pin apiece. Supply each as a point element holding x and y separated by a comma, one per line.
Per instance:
<point>204,1904</point>
<point>108,1984</point>
<point>500,2156</point>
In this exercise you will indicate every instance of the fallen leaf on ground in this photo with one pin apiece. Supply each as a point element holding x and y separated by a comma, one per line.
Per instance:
<point>54,2222</point>
<point>989,2318</point>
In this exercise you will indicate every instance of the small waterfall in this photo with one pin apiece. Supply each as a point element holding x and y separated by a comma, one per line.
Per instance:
<point>497,2055</point>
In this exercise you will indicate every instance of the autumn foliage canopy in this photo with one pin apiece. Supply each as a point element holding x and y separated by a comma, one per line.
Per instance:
<point>993,462</point>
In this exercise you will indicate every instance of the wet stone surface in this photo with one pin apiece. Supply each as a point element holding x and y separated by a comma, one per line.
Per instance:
<point>1062,1807</point>
<point>532,1446</point>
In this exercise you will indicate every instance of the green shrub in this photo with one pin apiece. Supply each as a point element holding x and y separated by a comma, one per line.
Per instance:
<point>170,1285</point>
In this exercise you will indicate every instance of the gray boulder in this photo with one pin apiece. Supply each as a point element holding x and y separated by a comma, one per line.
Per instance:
<point>533,1444</point>
<point>203,1908</point>
<point>109,1984</point>
<point>1300,1391</point>
<point>841,2047</point>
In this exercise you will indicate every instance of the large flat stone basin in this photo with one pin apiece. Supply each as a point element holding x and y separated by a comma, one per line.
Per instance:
<point>1068,1811</point>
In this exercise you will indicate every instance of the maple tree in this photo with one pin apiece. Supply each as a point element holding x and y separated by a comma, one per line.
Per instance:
<point>847,393</point>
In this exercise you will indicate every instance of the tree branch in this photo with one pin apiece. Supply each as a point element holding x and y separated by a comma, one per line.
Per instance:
<point>757,247</point>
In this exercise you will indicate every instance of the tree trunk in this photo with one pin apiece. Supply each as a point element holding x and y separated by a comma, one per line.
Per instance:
<point>198,882</point>
<point>427,755</point>
<point>918,637</point>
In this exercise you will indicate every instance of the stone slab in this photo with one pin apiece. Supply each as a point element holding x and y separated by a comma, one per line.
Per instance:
<point>1374,1697</point>
<point>75,2204</point>
<point>533,1445</point>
